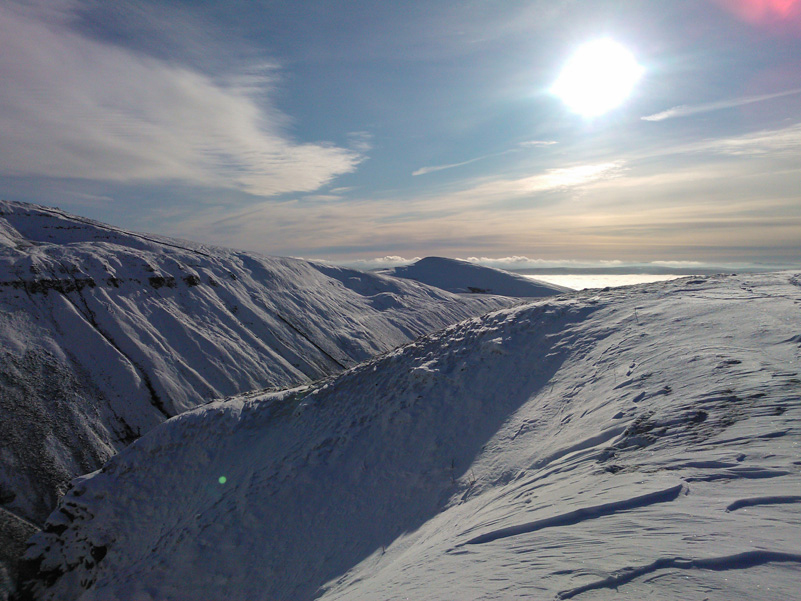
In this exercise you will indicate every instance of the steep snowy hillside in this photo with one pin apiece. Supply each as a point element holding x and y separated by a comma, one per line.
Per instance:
<point>634,443</point>
<point>106,333</point>
<point>464,277</point>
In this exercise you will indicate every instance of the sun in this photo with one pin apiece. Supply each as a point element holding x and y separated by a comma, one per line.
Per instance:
<point>599,77</point>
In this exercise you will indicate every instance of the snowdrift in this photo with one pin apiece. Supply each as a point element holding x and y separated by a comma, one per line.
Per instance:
<point>637,443</point>
<point>106,333</point>
<point>464,277</point>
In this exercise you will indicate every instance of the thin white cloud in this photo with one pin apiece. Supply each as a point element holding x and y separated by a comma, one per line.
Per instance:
<point>576,176</point>
<point>322,198</point>
<point>489,191</point>
<point>425,170</point>
<point>678,264</point>
<point>773,142</point>
<point>781,143</point>
<point>553,179</point>
<point>394,259</point>
<point>688,110</point>
<point>379,262</point>
<point>361,141</point>
<point>73,107</point>
<point>516,263</point>
<point>537,143</point>
<point>529,144</point>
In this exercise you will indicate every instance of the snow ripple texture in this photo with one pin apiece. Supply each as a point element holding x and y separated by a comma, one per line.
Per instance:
<point>633,443</point>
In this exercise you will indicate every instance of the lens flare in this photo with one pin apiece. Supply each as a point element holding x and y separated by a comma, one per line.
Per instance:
<point>761,10</point>
<point>778,16</point>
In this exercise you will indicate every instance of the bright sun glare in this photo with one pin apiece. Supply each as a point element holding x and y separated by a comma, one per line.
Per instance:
<point>597,78</point>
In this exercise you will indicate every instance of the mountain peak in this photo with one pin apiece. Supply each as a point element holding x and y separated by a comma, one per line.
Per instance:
<point>458,276</point>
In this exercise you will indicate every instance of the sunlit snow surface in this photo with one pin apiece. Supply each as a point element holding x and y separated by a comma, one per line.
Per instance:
<point>637,443</point>
<point>582,281</point>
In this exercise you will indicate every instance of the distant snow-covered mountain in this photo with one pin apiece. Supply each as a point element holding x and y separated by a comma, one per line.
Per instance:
<point>465,277</point>
<point>633,443</point>
<point>106,333</point>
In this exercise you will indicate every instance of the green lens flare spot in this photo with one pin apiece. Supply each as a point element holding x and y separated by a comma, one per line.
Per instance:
<point>222,479</point>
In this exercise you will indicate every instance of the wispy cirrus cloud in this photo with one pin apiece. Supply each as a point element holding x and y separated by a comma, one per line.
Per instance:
<point>689,110</point>
<point>76,107</point>
<point>537,143</point>
<point>774,142</point>
<point>425,170</point>
<point>490,190</point>
<point>521,145</point>
<point>579,175</point>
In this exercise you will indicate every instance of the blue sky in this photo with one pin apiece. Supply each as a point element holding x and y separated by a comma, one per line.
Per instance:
<point>350,130</point>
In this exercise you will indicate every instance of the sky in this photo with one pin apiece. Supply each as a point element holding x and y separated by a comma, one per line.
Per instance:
<point>373,132</point>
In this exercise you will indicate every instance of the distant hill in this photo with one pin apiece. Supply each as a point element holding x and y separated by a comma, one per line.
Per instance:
<point>634,443</point>
<point>458,276</point>
<point>106,333</point>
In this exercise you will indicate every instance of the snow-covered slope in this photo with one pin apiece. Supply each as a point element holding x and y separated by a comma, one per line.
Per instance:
<point>465,277</point>
<point>633,443</point>
<point>105,333</point>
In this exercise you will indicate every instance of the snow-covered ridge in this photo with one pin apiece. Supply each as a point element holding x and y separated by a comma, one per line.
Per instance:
<point>459,276</point>
<point>635,443</point>
<point>106,333</point>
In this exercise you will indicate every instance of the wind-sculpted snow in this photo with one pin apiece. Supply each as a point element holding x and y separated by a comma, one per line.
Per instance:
<point>105,333</point>
<point>739,561</point>
<point>634,443</point>
<point>464,277</point>
<point>580,515</point>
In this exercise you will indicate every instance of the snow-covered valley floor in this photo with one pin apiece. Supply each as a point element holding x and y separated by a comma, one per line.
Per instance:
<point>635,443</point>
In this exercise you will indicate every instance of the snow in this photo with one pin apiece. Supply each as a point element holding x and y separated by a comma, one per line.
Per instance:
<point>583,281</point>
<point>465,277</point>
<point>105,334</point>
<point>628,443</point>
